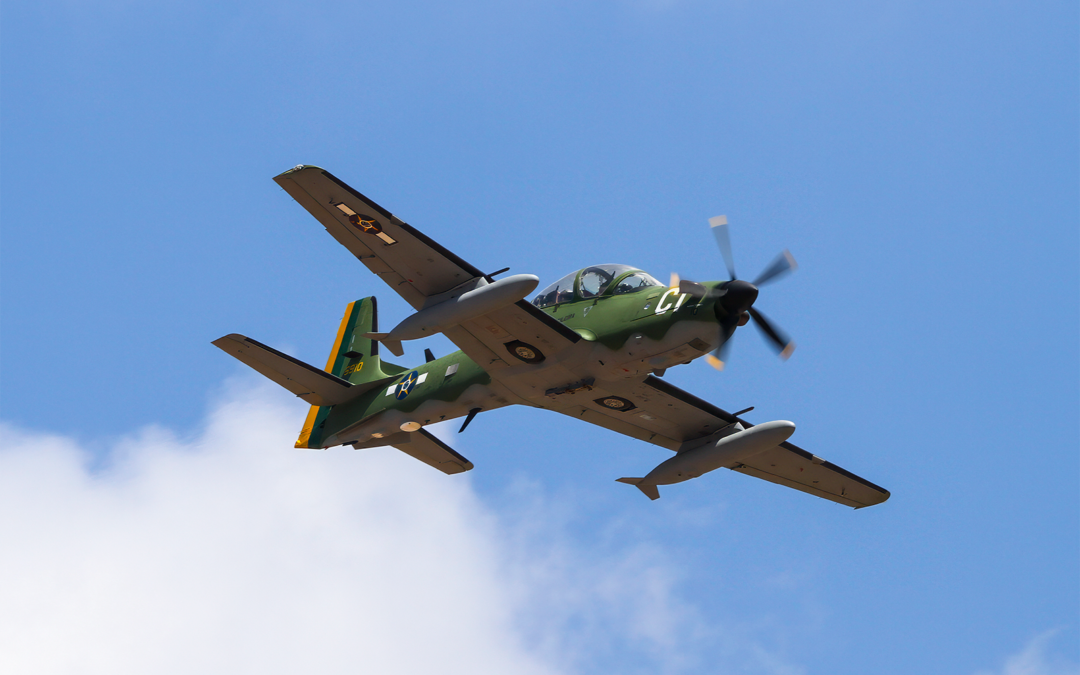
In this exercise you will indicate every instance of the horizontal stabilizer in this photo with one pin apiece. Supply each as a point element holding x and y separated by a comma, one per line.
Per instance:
<point>422,445</point>
<point>651,491</point>
<point>315,386</point>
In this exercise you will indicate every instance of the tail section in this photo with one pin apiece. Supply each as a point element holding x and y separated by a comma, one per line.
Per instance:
<point>315,386</point>
<point>354,358</point>
<point>650,490</point>
<point>354,367</point>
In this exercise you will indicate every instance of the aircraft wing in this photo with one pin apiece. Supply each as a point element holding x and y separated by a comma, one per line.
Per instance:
<point>662,414</point>
<point>417,267</point>
<point>409,262</point>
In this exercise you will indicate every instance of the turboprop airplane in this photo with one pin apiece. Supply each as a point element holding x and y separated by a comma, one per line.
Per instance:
<point>594,346</point>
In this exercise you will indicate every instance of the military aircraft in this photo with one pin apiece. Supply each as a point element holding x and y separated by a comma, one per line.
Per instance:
<point>592,346</point>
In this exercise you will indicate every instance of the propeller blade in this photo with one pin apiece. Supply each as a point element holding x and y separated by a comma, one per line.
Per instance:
<point>723,240</point>
<point>785,262</point>
<point>674,280</point>
<point>719,358</point>
<point>779,339</point>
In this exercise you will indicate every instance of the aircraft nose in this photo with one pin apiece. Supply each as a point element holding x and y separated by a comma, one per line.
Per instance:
<point>740,296</point>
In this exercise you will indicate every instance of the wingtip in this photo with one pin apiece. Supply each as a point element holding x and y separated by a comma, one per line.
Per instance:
<point>224,340</point>
<point>297,169</point>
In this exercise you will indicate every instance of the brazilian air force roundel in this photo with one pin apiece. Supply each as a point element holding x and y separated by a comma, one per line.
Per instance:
<point>365,223</point>
<point>406,386</point>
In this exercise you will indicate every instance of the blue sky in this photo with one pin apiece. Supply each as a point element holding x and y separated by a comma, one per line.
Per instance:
<point>919,159</point>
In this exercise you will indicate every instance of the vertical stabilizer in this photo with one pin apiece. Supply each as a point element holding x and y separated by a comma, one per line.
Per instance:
<point>354,359</point>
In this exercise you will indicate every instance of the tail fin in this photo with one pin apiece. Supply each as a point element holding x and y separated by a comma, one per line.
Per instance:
<point>354,358</point>
<point>650,490</point>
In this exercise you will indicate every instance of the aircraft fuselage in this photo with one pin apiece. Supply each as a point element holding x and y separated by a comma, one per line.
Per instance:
<point>623,336</point>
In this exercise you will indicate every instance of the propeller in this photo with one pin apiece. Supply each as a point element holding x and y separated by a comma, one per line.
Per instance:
<point>719,227</point>
<point>737,297</point>
<point>780,340</point>
<point>784,263</point>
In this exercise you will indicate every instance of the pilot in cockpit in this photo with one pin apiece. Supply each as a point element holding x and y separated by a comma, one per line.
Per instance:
<point>593,283</point>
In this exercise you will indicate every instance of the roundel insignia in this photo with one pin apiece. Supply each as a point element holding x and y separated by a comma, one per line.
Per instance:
<point>406,386</point>
<point>365,223</point>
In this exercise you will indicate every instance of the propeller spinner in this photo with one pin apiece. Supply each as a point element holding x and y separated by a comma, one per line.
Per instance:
<point>737,297</point>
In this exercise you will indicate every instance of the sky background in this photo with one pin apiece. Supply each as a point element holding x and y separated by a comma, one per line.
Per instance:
<point>920,159</point>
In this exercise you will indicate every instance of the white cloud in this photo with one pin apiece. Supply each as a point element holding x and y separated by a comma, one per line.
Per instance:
<point>1035,659</point>
<point>231,552</point>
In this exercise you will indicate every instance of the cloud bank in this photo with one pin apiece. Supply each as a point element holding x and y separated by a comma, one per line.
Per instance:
<point>1035,659</point>
<point>231,552</point>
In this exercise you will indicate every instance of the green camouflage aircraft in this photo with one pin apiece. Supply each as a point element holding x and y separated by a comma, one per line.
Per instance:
<point>591,346</point>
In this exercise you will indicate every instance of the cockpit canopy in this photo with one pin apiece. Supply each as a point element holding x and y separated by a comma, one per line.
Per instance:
<point>593,282</point>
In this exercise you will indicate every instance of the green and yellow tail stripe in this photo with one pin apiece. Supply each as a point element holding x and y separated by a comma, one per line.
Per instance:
<point>309,425</point>
<point>314,417</point>
<point>343,330</point>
